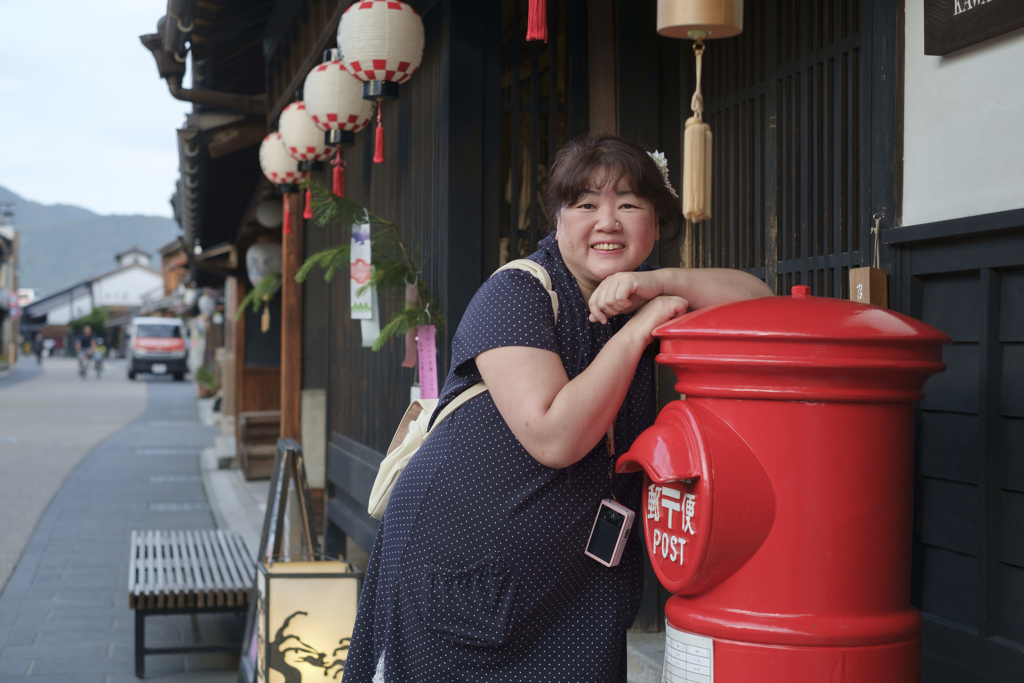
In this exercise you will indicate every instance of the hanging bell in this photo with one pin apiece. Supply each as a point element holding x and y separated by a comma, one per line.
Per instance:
<point>718,18</point>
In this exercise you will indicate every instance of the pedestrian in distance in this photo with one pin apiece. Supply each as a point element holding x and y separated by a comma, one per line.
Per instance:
<point>478,570</point>
<point>84,347</point>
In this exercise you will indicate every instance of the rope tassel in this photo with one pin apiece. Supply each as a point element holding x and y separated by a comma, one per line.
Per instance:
<point>378,150</point>
<point>339,174</point>
<point>308,213</point>
<point>287,220</point>
<point>537,21</point>
<point>697,154</point>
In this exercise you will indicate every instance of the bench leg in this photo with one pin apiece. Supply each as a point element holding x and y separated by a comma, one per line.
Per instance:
<point>140,644</point>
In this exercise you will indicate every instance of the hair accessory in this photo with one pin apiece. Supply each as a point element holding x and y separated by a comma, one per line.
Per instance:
<point>662,163</point>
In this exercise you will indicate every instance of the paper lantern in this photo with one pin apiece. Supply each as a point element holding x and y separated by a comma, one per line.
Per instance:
<point>382,44</point>
<point>281,169</point>
<point>334,102</point>
<point>306,612</point>
<point>207,304</point>
<point>305,142</point>
<point>714,18</point>
<point>268,212</point>
<point>262,259</point>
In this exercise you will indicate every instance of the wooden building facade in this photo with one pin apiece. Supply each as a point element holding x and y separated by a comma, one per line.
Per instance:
<point>806,106</point>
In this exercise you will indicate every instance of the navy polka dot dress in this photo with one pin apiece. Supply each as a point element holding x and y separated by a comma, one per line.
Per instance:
<point>477,572</point>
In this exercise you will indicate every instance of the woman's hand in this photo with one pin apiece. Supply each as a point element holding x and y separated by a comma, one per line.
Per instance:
<point>623,293</point>
<point>658,310</point>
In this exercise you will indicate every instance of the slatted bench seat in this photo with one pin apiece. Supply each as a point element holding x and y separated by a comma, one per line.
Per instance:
<point>186,572</point>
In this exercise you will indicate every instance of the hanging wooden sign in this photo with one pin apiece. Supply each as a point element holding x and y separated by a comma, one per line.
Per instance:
<point>869,286</point>
<point>951,25</point>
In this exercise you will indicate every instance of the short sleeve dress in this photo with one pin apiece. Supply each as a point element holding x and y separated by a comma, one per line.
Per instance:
<point>477,572</point>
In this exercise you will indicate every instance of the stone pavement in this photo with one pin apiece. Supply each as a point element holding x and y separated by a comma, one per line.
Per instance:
<point>64,613</point>
<point>49,420</point>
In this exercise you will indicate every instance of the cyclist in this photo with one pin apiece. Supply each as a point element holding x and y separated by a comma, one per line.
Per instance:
<point>84,346</point>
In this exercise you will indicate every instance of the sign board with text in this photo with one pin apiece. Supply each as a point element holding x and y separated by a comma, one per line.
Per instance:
<point>951,25</point>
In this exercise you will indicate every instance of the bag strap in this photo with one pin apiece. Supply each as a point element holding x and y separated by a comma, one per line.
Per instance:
<point>539,272</point>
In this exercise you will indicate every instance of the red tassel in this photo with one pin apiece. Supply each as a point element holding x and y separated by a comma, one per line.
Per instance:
<point>537,24</point>
<point>287,229</point>
<point>378,152</point>
<point>339,174</point>
<point>308,213</point>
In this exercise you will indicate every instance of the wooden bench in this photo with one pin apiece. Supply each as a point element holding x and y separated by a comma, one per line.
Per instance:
<point>186,572</point>
<point>258,432</point>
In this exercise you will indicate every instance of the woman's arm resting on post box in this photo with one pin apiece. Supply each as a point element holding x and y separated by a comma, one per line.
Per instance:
<point>701,287</point>
<point>559,421</point>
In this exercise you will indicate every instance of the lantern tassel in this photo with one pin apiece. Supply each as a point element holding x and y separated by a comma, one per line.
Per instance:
<point>308,213</point>
<point>339,174</point>
<point>378,151</point>
<point>697,154</point>
<point>537,22</point>
<point>287,221</point>
<point>265,318</point>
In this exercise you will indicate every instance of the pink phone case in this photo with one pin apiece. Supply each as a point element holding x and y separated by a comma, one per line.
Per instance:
<point>620,544</point>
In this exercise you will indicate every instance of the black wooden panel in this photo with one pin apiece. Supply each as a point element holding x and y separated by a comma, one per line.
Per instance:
<point>1011,603</point>
<point>1011,318</point>
<point>315,314</point>
<point>1011,389</point>
<point>1012,448</point>
<point>986,656</point>
<point>950,585</point>
<point>350,515</point>
<point>948,444</point>
<point>352,467</point>
<point>952,304</point>
<point>957,254</point>
<point>1011,533</point>
<point>949,515</point>
<point>938,669</point>
<point>956,389</point>
<point>263,349</point>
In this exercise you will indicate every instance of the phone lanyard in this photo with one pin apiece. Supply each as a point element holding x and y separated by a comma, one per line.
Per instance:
<point>609,440</point>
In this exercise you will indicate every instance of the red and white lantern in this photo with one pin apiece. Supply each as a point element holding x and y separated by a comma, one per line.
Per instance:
<point>335,104</point>
<point>280,168</point>
<point>304,141</point>
<point>381,42</point>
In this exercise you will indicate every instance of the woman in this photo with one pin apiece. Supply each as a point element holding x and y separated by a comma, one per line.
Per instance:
<point>477,572</point>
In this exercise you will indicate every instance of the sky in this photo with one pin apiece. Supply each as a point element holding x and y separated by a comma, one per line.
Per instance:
<point>84,117</point>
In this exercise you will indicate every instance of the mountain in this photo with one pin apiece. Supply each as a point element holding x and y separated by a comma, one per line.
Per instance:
<point>62,244</point>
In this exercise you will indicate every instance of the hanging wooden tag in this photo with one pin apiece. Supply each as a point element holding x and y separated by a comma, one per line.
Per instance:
<point>869,286</point>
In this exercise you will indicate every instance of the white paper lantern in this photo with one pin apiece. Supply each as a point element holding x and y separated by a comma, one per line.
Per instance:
<point>262,259</point>
<point>277,164</point>
<point>268,212</point>
<point>301,137</point>
<point>381,40</point>
<point>207,304</point>
<point>334,99</point>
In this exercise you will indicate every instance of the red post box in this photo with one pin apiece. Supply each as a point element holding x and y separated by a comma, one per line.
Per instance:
<point>778,494</point>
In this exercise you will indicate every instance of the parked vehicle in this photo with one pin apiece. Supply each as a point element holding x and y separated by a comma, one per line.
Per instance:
<point>158,346</point>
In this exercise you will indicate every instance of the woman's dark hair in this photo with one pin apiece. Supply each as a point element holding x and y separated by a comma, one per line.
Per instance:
<point>612,159</point>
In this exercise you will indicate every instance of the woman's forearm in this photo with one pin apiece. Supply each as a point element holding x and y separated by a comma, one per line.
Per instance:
<point>703,287</point>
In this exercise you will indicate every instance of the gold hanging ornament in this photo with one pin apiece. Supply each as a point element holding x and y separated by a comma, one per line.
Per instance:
<point>697,149</point>
<point>698,20</point>
<point>265,318</point>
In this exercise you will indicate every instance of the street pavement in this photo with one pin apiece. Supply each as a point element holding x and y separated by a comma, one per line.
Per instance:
<point>64,612</point>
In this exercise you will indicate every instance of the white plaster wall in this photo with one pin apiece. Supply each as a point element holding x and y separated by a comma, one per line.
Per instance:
<point>314,436</point>
<point>63,315</point>
<point>126,287</point>
<point>963,139</point>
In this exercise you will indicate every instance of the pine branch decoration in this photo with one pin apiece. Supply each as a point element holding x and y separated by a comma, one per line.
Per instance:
<point>263,291</point>
<point>393,264</point>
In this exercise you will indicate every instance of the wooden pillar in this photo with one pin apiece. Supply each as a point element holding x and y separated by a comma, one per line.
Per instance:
<point>291,324</point>
<point>601,49</point>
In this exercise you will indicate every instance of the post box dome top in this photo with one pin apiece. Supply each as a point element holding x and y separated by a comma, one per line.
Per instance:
<point>802,317</point>
<point>801,347</point>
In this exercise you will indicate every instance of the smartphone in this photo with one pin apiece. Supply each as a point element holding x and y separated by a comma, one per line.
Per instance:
<point>609,533</point>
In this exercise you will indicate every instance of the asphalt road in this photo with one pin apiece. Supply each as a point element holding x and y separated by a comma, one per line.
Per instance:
<point>49,421</point>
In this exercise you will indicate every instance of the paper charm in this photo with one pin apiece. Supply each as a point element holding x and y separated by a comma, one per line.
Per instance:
<point>360,268</point>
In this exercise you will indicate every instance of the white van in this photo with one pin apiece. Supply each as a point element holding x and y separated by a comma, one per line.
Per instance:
<point>158,346</point>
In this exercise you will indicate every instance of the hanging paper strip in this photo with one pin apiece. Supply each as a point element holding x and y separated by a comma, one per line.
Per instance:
<point>370,329</point>
<point>360,264</point>
<point>410,334</point>
<point>427,350</point>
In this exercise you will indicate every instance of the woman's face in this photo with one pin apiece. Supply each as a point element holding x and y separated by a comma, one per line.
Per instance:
<point>608,230</point>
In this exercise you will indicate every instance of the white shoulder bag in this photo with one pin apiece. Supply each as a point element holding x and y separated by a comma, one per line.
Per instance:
<point>413,429</point>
